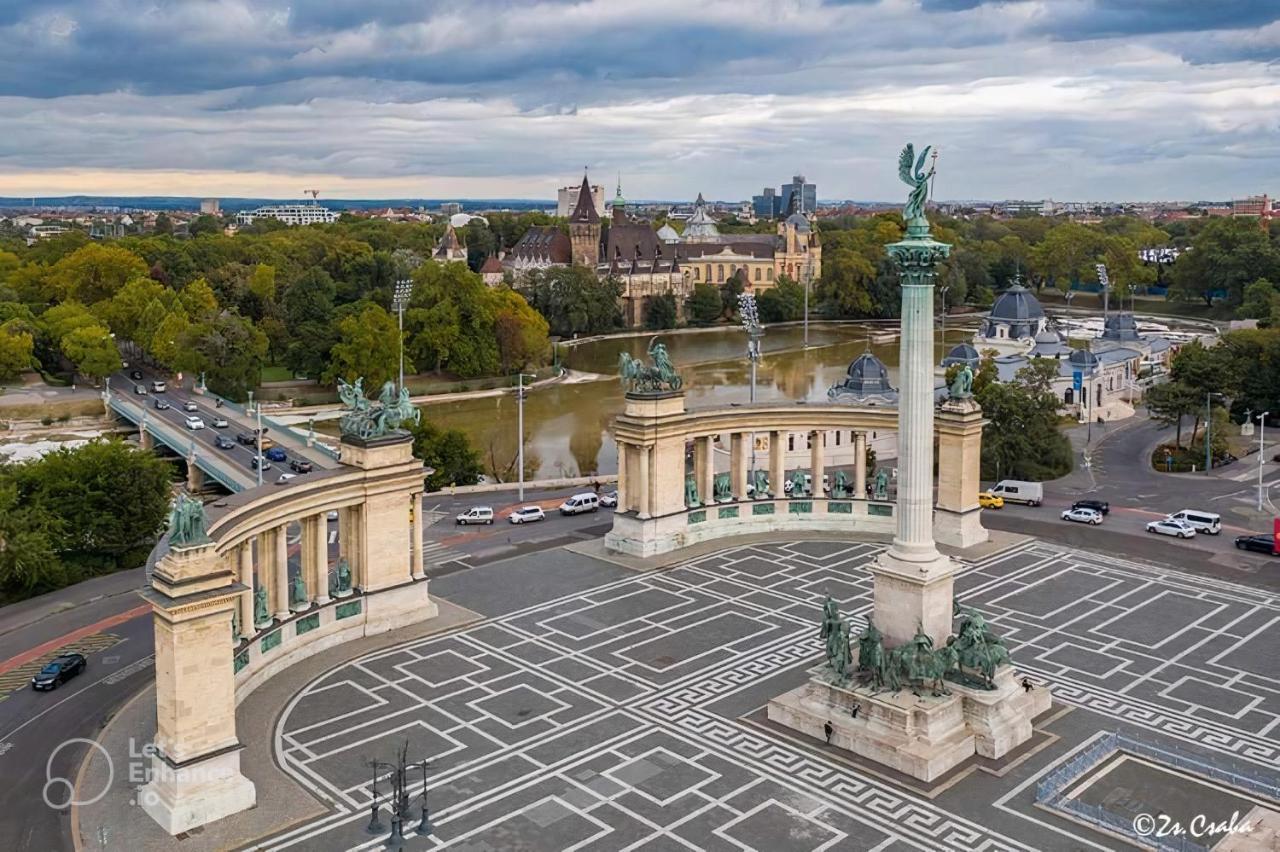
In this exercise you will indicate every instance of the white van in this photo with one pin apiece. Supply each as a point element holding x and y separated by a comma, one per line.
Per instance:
<point>476,515</point>
<point>1201,522</point>
<point>579,503</point>
<point>1017,491</point>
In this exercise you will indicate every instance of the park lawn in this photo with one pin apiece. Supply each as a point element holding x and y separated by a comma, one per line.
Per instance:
<point>276,374</point>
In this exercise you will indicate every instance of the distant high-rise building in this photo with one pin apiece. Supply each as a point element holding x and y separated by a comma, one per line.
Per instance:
<point>806,196</point>
<point>210,207</point>
<point>450,208</point>
<point>1254,205</point>
<point>567,200</point>
<point>290,214</point>
<point>766,204</point>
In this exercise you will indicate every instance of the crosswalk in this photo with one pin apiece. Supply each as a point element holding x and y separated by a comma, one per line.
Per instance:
<point>435,553</point>
<point>19,677</point>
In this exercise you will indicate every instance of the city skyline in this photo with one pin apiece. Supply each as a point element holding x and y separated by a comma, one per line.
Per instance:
<point>1075,101</point>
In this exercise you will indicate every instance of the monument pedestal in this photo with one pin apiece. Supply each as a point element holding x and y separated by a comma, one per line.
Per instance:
<point>196,793</point>
<point>923,736</point>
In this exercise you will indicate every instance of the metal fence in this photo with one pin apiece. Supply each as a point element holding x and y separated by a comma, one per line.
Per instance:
<point>1049,789</point>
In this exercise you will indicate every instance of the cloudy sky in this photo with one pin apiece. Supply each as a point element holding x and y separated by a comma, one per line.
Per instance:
<point>1070,99</point>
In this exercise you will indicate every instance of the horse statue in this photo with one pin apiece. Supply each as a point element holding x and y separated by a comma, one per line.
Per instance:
<point>660,375</point>
<point>366,420</point>
<point>977,648</point>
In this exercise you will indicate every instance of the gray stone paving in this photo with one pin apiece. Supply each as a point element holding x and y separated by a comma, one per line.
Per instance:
<point>616,716</point>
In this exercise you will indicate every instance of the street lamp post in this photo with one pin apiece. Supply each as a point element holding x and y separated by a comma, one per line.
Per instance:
<point>258,410</point>
<point>400,298</point>
<point>1262,451</point>
<point>520,429</point>
<point>751,324</point>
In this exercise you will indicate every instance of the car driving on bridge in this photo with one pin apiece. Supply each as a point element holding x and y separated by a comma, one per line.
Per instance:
<point>222,442</point>
<point>58,671</point>
<point>161,405</point>
<point>194,423</point>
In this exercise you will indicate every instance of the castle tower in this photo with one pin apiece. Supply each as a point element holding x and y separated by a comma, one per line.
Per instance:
<point>584,228</point>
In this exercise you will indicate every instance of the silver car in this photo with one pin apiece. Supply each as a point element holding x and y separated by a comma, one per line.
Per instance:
<point>1167,526</point>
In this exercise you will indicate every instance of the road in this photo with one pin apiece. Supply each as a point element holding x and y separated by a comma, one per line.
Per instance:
<point>238,457</point>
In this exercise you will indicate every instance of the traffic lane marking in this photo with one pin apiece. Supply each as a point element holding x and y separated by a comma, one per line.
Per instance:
<point>75,635</point>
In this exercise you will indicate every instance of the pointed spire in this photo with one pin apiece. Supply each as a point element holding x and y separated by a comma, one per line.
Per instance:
<point>585,212</point>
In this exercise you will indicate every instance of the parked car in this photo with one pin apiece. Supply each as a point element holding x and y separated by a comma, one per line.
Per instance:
<point>1257,544</point>
<point>136,375</point>
<point>476,515</point>
<point>285,477</point>
<point>259,460</point>
<point>587,501</point>
<point>1205,522</point>
<point>190,406</point>
<point>276,454</point>
<point>194,422</point>
<point>299,465</point>
<point>1017,491</point>
<point>158,387</point>
<point>987,500</point>
<point>222,442</point>
<point>1168,526</point>
<point>247,438</point>
<point>609,499</point>
<point>141,390</point>
<point>161,404</point>
<point>58,671</point>
<point>1102,507</point>
<point>219,423</point>
<point>1083,516</point>
<point>526,514</point>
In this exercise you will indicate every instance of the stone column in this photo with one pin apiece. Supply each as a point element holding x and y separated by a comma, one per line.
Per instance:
<point>816,463</point>
<point>195,476</point>
<point>349,519</point>
<point>777,462</point>
<point>145,441</point>
<point>913,582</point>
<point>958,520</point>
<point>645,501</point>
<point>739,459</point>
<point>624,496</point>
<point>244,575</point>
<point>280,570</point>
<point>860,465</point>
<point>315,557</point>
<point>415,538</point>
<point>195,772</point>
<point>701,463</point>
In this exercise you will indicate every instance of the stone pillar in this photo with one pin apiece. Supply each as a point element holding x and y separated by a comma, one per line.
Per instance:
<point>778,462</point>
<point>860,465</point>
<point>913,582</point>
<point>739,459</point>
<point>645,502</point>
<point>349,519</point>
<point>244,574</point>
<point>816,462</point>
<point>701,461</point>
<point>195,772</point>
<point>195,476</point>
<point>315,557</point>
<point>624,496</point>
<point>707,476</point>
<point>958,520</point>
<point>415,538</point>
<point>280,570</point>
<point>145,441</point>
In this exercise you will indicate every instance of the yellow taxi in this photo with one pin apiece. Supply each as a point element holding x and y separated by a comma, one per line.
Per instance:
<point>987,500</point>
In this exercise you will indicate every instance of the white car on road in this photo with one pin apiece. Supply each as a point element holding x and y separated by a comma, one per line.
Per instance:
<point>220,423</point>
<point>1083,516</point>
<point>190,406</point>
<point>525,514</point>
<point>1168,526</point>
<point>609,499</point>
<point>194,422</point>
<point>475,515</point>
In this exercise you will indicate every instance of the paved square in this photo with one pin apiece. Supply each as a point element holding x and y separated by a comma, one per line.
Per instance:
<point>622,716</point>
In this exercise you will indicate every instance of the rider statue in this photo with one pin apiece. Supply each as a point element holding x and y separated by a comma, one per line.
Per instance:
<point>656,377</point>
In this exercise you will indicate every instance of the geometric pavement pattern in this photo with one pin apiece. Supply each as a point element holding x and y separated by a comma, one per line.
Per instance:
<point>611,718</point>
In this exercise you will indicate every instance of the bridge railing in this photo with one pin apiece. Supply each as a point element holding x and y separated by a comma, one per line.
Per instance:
<point>180,444</point>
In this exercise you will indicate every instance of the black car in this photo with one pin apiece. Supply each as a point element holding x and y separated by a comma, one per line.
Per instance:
<point>135,374</point>
<point>247,438</point>
<point>222,442</point>
<point>256,460</point>
<point>161,404</point>
<point>1100,506</point>
<point>1257,543</point>
<point>58,671</point>
<point>300,465</point>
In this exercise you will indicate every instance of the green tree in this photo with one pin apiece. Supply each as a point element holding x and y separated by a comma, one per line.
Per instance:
<point>29,563</point>
<point>784,302</point>
<point>228,350</point>
<point>660,312</point>
<point>1169,403</point>
<point>308,309</point>
<point>845,286</point>
<point>61,320</point>
<point>204,224</point>
<point>704,306</point>
<point>1067,255</point>
<point>169,339</point>
<point>1226,255</point>
<point>16,348</point>
<point>368,345</point>
<point>124,311</point>
<point>574,301</point>
<point>94,272</point>
<point>448,453</point>
<point>198,301</point>
<point>1258,300</point>
<point>93,350</point>
<point>262,283</point>
<point>1021,439</point>
<point>164,225</point>
<point>520,331</point>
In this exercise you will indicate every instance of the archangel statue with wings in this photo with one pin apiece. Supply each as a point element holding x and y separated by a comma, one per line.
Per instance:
<point>911,171</point>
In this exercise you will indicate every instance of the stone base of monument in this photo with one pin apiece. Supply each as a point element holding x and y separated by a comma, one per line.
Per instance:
<point>959,529</point>
<point>196,793</point>
<point>924,736</point>
<point>388,609</point>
